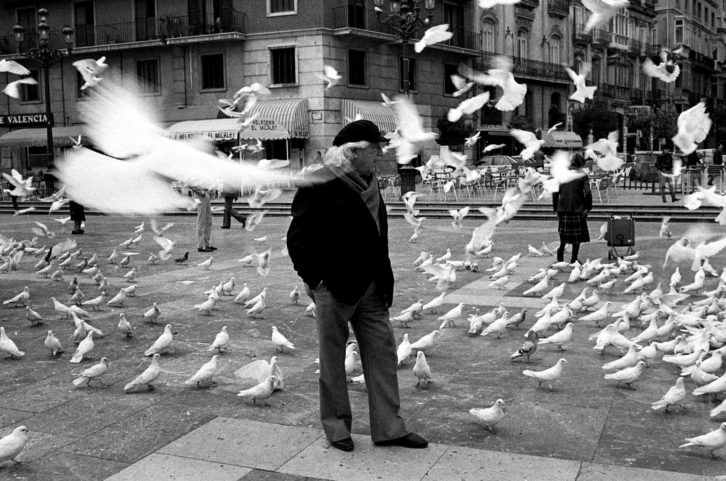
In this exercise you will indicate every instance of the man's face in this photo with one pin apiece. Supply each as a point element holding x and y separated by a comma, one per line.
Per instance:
<point>364,160</point>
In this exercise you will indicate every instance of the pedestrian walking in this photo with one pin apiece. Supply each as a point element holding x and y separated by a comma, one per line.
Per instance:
<point>78,216</point>
<point>693,164</point>
<point>204,220</point>
<point>230,212</point>
<point>664,166</point>
<point>573,203</point>
<point>338,243</point>
<point>716,169</point>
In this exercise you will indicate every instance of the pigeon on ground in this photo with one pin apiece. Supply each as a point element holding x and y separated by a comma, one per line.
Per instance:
<point>489,417</point>
<point>204,376</point>
<point>8,347</point>
<point>53,344</point>
<point>627,375</point>
<point>421,370</point>
<point>263,390</point>
<point>91,373</point>
<point>548,375</point>
<point>280,342</point>
<point>672,397</point>
<point>12,444</point>
<point>713,440</point>
<point>528,348</point>
<point>162,343</point>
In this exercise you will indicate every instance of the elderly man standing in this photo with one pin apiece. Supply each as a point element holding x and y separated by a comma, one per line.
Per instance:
<point>338,243</point>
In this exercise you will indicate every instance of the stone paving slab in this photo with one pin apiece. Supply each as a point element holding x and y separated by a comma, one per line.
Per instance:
<point>244,443</point>
<point>160,467</point>
<point>464,464</point>
<point>610,472</point>
<point>367,462</point>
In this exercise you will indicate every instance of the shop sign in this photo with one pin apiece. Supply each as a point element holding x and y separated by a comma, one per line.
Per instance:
<point>17,121</point>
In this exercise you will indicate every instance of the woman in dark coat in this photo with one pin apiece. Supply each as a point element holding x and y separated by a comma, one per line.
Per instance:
<point>78,216</point>
<point>572,203</point>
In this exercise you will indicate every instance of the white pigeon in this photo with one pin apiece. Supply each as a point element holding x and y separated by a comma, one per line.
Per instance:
<point>559,338</point>
<point>693,127</point>
<point>53,344</point>
<point>92,372</point>
<point>713,440</point>
<point>131,133</point>
<point>433,35</point>
<point>12,444</point>
<point>582,91</point>
<point>627,375</point>
<point>13,67</point>
<point>162,343</point>
<point>450,317</point>
<point>434,303</point>
<point>243,295</point>
<point>462,87</point>
<point>673,396</point>
<point>90,70</point>
<point>8,347</point>
<point>489,417</point>
<point>221,341</point>
<point>411,136</point>
<point>146,378</point>
<point>21,298</point>
<point>630,358</point>
<point>152,314</point>
<point>547,375</point>
<point>426,342</point>
<point>263,390</point>
<point>538,288</point>
<point>330,76</point>
<point>500,75</point>
<point>206,306</point>
<point>421,370</point>
<point>404,350</point>
<point>602,11</point>
<point>468,106</point>
<point>530,141</point>
<point>207,263</point>
<point>12,89</point>
<point>280,342</point>
<point>84,347</point>
<point>205,374</point>
<point>667,70</point>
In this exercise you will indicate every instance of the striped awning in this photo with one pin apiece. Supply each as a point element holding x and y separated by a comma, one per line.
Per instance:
<point>62,136</point>
<point>273,119</point>
<point>562,139</point>
<point>278,119</point>
<point>382,116</point>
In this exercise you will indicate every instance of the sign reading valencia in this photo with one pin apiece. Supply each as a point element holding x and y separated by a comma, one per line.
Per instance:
<point>18,121</point>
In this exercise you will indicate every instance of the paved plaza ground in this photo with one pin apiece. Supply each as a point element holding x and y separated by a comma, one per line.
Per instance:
<point>587,428</point>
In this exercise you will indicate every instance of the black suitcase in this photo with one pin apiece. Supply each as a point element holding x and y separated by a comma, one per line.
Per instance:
<point>621,233</point>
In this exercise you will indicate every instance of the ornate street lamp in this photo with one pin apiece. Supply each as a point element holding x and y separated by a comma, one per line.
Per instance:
<point>45,56</point>
<point>405,18</point>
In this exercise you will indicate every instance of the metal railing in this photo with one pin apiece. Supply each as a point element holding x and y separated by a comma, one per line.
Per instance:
<point>142,29</point>
<point>525,67</point>
<point>636,46</point>
<point>614,91</point>
<point>601,36</point>
<point>361,17</point>
<point>558,7</point>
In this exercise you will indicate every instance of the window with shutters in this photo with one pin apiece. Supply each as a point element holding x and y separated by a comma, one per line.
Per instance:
<point>281,7</point>
<point>212,71</point>
<point>356,67</point>
<point>283,65</point>
<point>147,72</point>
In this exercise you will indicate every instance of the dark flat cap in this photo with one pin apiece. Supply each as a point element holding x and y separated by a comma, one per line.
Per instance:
<point>357,131</point>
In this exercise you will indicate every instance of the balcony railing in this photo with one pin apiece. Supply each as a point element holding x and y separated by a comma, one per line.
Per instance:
<point>601,36</point>
<point>522,11</point>
<point>614,91</point>
<point>636,46</point>
<point>558,8</point>
<point>526,67</point>
<point>619,40</point>
<point>531,4</point>
<point>142,29</point>
<point>358,16</point>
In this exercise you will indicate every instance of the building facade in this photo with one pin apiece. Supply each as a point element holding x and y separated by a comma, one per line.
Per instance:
<point>189,55</point>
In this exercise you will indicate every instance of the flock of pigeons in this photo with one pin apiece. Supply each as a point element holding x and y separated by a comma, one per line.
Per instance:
<point>676,323</point>
<point>64,261</point>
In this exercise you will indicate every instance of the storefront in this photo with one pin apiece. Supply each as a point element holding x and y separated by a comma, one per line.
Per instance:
<point>25,149</point>
<point>280,126</point>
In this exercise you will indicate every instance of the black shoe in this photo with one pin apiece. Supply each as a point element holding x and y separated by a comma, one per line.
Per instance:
<point>77,231</point>
<point>675,199</point>
<point>343,444</point>
<point>204,249</point>
<point>411,440</point>
<point>224,227</point>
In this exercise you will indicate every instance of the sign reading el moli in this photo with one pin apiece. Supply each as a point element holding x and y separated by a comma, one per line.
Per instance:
<point>24,120</point>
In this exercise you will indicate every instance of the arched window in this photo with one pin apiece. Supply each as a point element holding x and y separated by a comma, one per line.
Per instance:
<point>554,47</point>
<point>522,43</point>
<point>488,36</point>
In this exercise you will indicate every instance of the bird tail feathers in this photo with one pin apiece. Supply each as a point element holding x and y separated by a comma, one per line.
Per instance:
<point>80,380</point>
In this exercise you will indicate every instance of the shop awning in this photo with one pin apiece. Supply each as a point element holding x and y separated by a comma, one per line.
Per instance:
<point>273,120</point>
<point>382,116</point>
<point>213,129</point>
<point>278,119</point>
<point>562,139</point>
<point>62,137</point>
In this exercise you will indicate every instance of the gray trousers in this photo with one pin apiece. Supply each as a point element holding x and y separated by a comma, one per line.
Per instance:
<point>377,344</point>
